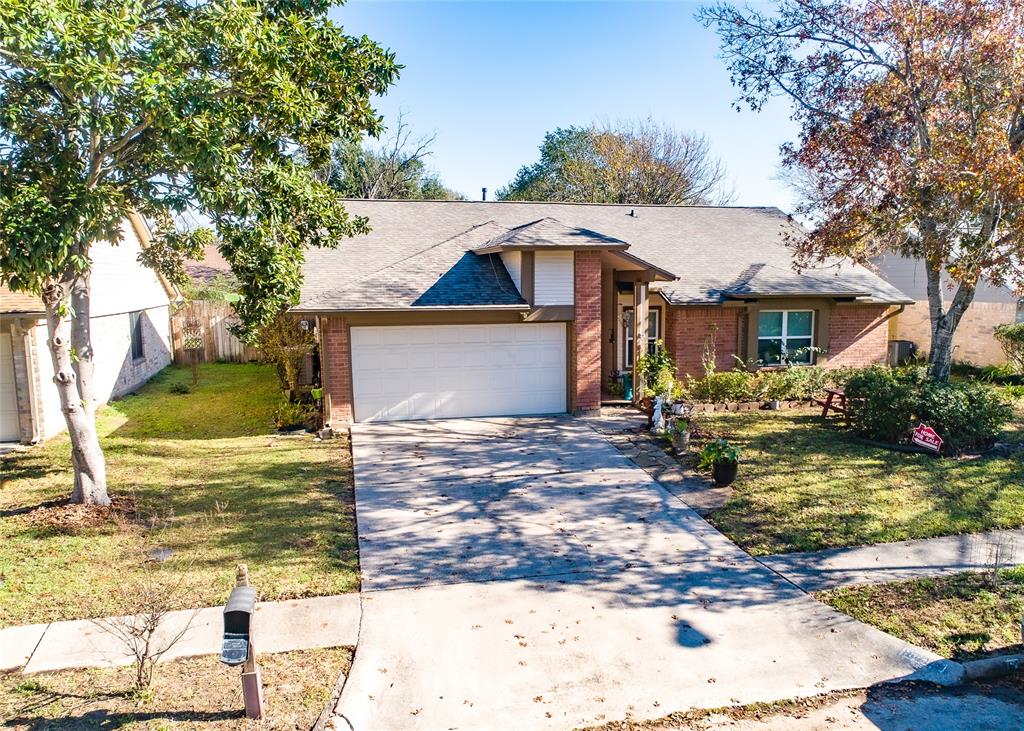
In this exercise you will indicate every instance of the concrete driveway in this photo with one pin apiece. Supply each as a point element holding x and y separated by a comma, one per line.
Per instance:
<point>521,573</point>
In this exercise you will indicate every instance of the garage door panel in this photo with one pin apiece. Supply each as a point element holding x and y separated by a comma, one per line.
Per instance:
<point>8,394</point>
<point>447,371</point>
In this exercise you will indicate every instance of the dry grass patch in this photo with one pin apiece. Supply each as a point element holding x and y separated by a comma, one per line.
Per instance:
<point>198,693</point>
<point>961,616</point>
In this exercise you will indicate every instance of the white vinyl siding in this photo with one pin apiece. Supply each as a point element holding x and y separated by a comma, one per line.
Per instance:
<point>513,261</point>
<point>447,371</point>
<point>119,283</point>
<point>553,278</point>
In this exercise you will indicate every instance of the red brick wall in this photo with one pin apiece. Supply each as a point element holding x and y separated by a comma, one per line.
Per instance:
<point>336,354</point>
<point>586,333</point>
<point>687,329</point>
<point>858,336</point>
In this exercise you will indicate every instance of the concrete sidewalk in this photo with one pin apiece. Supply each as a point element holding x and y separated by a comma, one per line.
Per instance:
<point>300,624</point>
<point>884,562</point>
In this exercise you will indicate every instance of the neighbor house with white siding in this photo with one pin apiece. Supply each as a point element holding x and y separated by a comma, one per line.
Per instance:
<point>130,326</point>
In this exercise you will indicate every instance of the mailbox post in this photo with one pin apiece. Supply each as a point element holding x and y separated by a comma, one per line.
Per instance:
<point>238,646</point>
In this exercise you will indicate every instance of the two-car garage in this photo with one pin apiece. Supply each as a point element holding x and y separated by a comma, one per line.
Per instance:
<point>448,371</point>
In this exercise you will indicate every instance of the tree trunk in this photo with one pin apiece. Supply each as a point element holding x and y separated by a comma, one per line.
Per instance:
<point>68,336</point>
<point>944,322</point>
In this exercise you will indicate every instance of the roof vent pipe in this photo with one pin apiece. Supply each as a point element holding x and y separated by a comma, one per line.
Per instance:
<point>483,194</point>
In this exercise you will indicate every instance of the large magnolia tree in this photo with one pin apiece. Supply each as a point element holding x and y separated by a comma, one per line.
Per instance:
<point>912,127</point>
<point>158,106</point>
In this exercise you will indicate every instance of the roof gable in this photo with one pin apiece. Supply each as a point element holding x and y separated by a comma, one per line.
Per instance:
<point>447,274</point>
<point>549,233</point>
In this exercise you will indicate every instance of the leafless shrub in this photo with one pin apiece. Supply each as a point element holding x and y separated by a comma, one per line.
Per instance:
<point>1000,556</point>
<point>142,629</point>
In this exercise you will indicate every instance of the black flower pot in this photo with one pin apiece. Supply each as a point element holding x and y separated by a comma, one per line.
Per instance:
<point>724,472</point>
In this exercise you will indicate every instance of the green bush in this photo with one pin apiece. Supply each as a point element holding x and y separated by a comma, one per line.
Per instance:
<point>966,415</point>
<point>179,388</point>
<point>1011,337</point>
<point>799,383</point>
<point>724,386</point>
<point>658,371</point>
<point>289,415</point>
<point>881,404</point>
<point>887,404</point>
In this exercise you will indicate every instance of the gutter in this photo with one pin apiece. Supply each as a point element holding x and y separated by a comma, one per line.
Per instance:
<point>342,311</point>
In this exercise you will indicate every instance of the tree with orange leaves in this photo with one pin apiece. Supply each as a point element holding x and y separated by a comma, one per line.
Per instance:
<point>912,133</point>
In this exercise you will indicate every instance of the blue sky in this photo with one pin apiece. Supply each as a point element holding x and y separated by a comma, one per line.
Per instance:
<point>490,78</point>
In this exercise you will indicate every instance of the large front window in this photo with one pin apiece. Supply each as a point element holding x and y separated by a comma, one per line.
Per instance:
<point>785,337</point>
<point>653,333</point>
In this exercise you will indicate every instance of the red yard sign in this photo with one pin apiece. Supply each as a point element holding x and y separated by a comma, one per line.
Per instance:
<point>925,436</point>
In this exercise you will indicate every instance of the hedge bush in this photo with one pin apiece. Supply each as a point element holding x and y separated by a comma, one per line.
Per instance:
<point>886,405</point>
<point>800,383</point>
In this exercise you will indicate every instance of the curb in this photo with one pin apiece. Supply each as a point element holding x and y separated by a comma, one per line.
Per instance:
<point>993,667</point>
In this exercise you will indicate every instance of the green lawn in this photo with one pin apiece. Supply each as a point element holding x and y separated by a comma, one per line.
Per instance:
<point>203,474</point>
<point>804,486</point>
<point>960,616</point>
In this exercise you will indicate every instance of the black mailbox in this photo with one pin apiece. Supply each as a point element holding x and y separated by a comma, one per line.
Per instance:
<point>237,625</point>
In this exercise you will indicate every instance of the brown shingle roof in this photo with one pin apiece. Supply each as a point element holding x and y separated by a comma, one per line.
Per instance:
<point>548,233</point>
<point>709,248</point>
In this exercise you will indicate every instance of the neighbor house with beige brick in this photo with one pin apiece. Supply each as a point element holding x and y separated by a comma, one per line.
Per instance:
<point>129,325</point>
<point>974,341</point>
<point>456,308</point>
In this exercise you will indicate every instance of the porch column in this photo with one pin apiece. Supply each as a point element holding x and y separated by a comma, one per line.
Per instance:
<point>639,336</point>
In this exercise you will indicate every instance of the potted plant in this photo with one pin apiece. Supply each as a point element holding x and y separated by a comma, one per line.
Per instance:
<point>658,371</point>
<point>776,388</point>
<point>722,459</point>
<point>679,430</point>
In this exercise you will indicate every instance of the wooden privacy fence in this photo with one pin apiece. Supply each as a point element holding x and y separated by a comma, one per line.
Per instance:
<point>208,322</point>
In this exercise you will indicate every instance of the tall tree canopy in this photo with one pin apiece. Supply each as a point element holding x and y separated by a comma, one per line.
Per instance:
<point>157,106</point>
<point>396,168</point>
<point>912,126</point>
<point>632,162</point>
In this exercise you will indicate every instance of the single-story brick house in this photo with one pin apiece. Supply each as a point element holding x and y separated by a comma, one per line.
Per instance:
<point>130,327</point>
<point>475,308</point>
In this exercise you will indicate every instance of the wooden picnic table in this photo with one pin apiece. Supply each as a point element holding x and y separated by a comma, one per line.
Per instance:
<point>835,400</point>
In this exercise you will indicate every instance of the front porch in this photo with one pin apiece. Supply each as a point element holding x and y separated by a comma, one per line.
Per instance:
<point>628,296</point>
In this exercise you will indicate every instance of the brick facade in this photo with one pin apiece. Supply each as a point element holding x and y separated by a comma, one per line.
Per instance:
<point>688,328</point>
<point>974,340</point>
<point>336,355</point>
<point>858,336</point>
<point>585,367</point>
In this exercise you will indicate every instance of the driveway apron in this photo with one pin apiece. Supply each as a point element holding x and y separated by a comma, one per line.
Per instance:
<point>521,574</point>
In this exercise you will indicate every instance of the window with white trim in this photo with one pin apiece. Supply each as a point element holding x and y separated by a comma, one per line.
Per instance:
<point>785,337</point>
<point>653,333</point>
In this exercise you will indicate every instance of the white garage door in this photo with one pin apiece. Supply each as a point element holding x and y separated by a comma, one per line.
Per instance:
<point>8,403</point>
<point>445,371</point>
